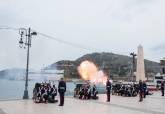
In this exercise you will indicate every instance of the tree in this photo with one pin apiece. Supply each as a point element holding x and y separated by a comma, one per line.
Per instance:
<point>162,62</point>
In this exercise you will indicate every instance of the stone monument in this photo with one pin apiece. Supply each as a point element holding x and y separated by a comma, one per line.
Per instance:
<point>140,71</point>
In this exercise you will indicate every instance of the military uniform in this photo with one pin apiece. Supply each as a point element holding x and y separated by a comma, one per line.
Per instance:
<point>162,88</point>
<point>62,90</point>
<point>141,91</point>
<point>108,88</point>
<point>144,89</point>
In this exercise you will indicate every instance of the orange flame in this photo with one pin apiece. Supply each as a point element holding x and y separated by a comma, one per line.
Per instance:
<point>89,71</point>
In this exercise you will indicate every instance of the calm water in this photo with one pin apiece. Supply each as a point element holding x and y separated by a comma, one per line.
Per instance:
<point>12,89</point>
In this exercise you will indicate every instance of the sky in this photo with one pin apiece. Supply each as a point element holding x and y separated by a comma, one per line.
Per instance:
<point>117,26</point>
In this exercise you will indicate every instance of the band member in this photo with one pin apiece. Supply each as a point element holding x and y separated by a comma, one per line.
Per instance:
<point>108,88</point>
<point>162,88</point>
<point>62,90</point>
<point>140,91</point>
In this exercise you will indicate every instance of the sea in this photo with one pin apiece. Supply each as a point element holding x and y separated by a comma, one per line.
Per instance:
<point>14,89</point>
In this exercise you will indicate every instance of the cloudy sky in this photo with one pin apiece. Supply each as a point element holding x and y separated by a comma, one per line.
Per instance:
<point>117,26</point>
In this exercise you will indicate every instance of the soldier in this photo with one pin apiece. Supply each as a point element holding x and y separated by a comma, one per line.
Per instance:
<point>61,90</point>
<point>140,91</point>
<point>93,89</point>
<point>53,92</point>
<point>108,88</point>
<point>162,87</point>
<point>94,92</point>
<point>144,88</point>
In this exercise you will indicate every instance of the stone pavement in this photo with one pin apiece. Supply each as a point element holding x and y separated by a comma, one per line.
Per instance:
<point>119,105</point>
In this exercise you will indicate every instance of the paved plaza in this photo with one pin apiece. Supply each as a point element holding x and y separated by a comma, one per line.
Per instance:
<point>119,105</point>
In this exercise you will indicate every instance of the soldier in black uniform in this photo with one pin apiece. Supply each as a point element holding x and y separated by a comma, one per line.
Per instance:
<point>108,88</point>
<point>144,88</point>
<point>61,90</point>
<point>141,91</point>
<point>162,88</point>
<point>94,89</point>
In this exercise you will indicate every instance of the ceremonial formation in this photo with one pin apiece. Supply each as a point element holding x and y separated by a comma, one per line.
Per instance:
<point>47,92</point>
<point>44,93</point>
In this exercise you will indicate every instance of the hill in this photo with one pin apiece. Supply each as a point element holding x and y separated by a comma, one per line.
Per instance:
<point>112,64</point>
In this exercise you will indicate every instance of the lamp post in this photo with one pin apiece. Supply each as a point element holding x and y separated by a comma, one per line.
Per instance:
<point>133,64</point>
<point>25,41</point>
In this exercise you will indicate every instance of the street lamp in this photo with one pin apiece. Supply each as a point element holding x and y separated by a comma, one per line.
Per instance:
<point>25,41</point>
<point>133,64</point>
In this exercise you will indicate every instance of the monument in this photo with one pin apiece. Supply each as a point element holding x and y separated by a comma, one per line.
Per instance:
<point>140,71</point>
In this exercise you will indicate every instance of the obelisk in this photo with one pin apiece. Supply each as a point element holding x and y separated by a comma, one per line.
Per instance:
<point>140,71</point>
